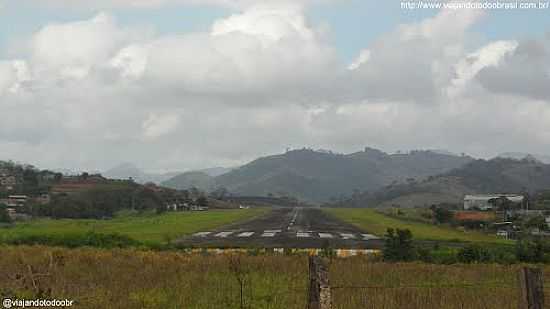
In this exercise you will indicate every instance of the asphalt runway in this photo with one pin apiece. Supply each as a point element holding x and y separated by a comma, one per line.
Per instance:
<point>286,228</point>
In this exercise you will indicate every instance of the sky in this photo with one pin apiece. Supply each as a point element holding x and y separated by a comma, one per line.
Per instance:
<point>187,84</point>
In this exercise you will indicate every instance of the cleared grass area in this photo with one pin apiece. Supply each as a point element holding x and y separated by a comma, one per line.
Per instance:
<point>377,223</point>
<point>145,228</point>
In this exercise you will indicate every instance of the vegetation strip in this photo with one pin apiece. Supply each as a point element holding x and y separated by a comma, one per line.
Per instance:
<point>374,222</point>
<point>129,230</point>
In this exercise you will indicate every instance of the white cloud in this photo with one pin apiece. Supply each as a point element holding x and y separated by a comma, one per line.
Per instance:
<point>525,71</point>
<point>158,125</point>
<point>13,76</point>
<point>414,62</point>
<point>490,55</point>
<point>363,57</point>
<point>131,61</point>
<point>260,81</point>
<point>269,53</point>
<point>6,75</point>
<point>269,23</point>
<point>105,4</point>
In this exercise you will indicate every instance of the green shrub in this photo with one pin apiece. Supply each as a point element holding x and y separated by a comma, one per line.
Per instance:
<point>531,251</point>
<point>474,254</point>
<point>90,239</point>
<point>4,216</point>
<point>398,245</point>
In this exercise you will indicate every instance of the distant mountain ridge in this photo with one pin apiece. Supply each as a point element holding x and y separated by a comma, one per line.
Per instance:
<point>318,176</point>
<point>499,175</point>
<point>521,155</point>
<point>203,180</point>
<point>129,170</point>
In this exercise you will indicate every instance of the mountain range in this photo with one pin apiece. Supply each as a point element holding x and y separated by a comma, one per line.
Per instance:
<point>129,170</point>
<point>496,176</point>
<point>319,176</point>
<point>521,155</point>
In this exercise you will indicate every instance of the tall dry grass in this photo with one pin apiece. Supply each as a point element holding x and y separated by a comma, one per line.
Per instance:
<point>98,278</point>
<point>419,285</point>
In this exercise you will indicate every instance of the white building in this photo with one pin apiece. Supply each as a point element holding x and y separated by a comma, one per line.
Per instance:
<point>481,201</point>
<point>17,200</point>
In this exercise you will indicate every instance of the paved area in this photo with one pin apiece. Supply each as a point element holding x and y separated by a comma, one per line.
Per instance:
<point>286,228</point>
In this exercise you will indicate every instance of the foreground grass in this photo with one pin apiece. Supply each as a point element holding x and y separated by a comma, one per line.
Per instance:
<point>129,278</point>
<point>377,223</point>
<point>143,279</point>
<point>419,285</point>
<point>150,228</point>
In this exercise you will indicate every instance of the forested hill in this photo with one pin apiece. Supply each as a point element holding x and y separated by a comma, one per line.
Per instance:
<point>319,176</point>
<point>499,175</point>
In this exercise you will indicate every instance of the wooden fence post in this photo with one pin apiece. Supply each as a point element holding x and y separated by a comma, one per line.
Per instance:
<point>531,288</point>
<point>319,288</point>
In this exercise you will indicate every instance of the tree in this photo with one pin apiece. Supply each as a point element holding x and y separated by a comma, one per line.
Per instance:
<point>147,199</point>
<point>474,254</point>
<point>538,222</point>
<point>220,193</point>
<point>398,245</point>
<point>58,177</point>
<point>202,201</point>
<point>441,214</point>
<point>530,251</point>
<point>4,216</point>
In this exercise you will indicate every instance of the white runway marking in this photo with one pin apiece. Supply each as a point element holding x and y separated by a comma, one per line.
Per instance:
<point>325,235</point>
<point>303,235</point>
<point>369,237</point>
<point>266,234</point>
<point>245,234</point>
<point>223,234</point>
<point>202,234</point>
<point>347,236</point>
<point>272,231</point>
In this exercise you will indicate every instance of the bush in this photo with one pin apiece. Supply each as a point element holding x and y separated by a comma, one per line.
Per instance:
<point>531,251</point>
<point>442,215</point>
<point>4,216</point>
<point>474,254</point>
<point>90,239</point>
<point>398,245</point>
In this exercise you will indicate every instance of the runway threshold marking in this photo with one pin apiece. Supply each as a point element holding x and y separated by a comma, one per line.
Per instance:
<point>223,234</point>
<point>347,236</point>
<point>245,234</point>
<point>202,234</point>
<point>369,237</point>
<point>303,235</point>
<point>271,233</point>
<point>325,235</point>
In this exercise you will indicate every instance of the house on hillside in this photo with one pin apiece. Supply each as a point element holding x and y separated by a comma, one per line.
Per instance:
<point>7,181</point>
<point>485,201</point>
<point>17,200</point>
<point>76,184</point>
<point>42,199</point>
<point>474,216</point>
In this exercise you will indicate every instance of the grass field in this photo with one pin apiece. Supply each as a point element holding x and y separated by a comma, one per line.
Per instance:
<point>144,228</point>
<point>129,278</point>
<point>419,285</point>
<point>376,223</point>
